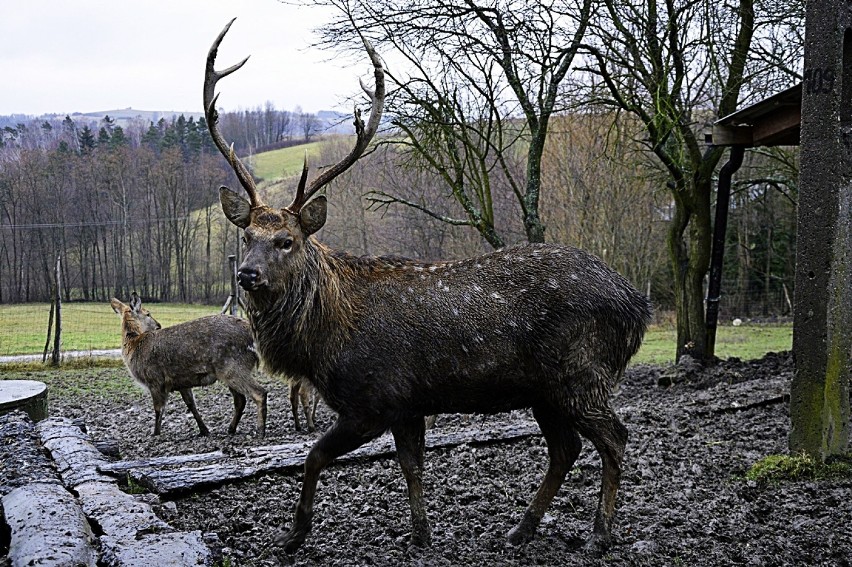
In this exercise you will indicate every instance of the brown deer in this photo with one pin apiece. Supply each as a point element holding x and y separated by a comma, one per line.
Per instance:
<point>387,341</point>
<point>186,355</point>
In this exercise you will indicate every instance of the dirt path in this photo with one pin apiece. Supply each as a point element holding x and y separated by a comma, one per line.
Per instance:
<point>683,500</point>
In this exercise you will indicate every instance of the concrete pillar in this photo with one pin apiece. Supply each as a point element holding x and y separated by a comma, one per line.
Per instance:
<point>822,330</point>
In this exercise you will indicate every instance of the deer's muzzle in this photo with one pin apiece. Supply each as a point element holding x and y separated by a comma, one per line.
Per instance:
<point>250,279</point>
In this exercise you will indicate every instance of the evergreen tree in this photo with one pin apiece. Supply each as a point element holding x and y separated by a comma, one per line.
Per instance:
<point>151,137</point>
<point>86,139</point>
<point>194,138</point>
<point>103,137</point>
<point>118,139</point>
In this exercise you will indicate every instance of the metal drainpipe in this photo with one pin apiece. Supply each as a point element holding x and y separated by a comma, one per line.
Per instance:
<point>720,226</point>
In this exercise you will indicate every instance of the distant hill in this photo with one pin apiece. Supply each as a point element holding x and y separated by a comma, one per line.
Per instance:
<point>128,114</point>
<point>330,122</point>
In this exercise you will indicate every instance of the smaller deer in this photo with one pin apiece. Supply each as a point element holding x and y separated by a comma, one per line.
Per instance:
<point>195,353</point>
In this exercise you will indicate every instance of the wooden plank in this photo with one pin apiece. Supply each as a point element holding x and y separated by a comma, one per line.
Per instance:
<point>47,527</point>
<point>291,457</point>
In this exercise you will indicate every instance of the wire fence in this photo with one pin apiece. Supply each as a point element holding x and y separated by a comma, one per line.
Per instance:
<point>92,328</point>
<point>86,328</point>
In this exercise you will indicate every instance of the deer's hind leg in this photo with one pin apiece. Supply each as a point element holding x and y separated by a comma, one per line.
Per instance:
<point>189,400</point>
<point>159,397</point>
<point>295,394</point>
<point>310,410</point>
<point>563,447</point>
<point>409,437</point>
<point>609,436</point>
<point>239,407</point>
<point>237,376</point>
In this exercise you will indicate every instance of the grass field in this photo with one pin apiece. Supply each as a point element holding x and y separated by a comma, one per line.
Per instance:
<point>285,162</point>
<point>85,326</point>
<point>94,326</point>
<point>744,342</point>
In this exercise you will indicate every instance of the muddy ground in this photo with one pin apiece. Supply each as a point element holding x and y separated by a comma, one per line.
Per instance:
<point>683,500</point>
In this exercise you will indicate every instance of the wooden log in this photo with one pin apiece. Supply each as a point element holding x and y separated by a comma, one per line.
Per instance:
<point>178,548</point>
<point>291,457</point>
<point>120,467</point>
<point>131,534</point>
<point>29,396</point>
<point>119,514</point>
<point>47,527</point>
<point>108,448</point>
<point>76,457</point>
<point>22,460</point>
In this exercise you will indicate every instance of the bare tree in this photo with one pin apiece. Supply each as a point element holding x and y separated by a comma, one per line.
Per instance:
<point>479,84</point>
<point>675,65</point>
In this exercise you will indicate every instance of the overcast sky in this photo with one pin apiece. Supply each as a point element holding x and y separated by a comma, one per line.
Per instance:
<point>92,55</point>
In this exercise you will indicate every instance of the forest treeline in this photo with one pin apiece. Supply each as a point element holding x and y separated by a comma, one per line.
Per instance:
<point>136,209</point>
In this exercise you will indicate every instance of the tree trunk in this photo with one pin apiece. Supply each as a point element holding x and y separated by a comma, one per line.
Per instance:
<point>689,240</point>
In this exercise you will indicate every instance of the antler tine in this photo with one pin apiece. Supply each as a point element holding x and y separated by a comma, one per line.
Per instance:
<point>364,134</point>
<point>211,77</point>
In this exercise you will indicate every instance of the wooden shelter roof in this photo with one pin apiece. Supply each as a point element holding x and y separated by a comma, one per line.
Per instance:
<point>774,121</point>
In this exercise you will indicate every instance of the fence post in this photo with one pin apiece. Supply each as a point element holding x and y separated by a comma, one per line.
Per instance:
<point>235,300</point>
<point>57,338</point>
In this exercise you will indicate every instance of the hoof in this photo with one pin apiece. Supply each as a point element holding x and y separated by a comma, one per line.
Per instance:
<point>421,540</point>
<point>597,545</point>
<point>204,433</point>
<point>290,541</point>
<point>519,535</point>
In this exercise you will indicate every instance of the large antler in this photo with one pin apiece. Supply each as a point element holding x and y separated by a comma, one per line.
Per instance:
<point>364,134</point>
<point>211,77</point>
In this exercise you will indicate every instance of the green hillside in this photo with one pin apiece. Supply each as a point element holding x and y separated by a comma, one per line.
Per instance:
<point>285,162</point>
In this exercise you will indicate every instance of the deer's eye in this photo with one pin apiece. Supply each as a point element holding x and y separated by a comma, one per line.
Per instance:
<point>284,243</point>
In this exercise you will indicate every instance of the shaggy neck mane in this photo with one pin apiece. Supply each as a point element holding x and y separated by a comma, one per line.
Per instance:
<point>299,330</point>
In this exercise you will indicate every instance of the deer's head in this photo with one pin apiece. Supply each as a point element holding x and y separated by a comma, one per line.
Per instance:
<point>135,320</point>
<point>275,238</point>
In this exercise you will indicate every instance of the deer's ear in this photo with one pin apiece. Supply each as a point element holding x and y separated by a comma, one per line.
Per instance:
<point>313,214</point>
<point>117,306</point>
<point>135,302</point>
<point>236,208</point>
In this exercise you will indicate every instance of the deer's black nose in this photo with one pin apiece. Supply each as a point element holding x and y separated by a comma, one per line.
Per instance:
<point>248,278</point>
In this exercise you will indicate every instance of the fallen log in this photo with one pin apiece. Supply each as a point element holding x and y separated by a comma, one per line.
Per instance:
<point>76,457</point>
<point>165,480</point>
<point>22,460</point>
<point>121,467</point>
<point>47,527</point>
<point>131,534</point>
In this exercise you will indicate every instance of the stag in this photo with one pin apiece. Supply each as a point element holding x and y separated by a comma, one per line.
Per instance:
<point>386,341</point>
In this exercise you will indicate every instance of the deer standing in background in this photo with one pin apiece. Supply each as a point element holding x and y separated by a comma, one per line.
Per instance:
<point>387,341</point>
<point>186,355</point>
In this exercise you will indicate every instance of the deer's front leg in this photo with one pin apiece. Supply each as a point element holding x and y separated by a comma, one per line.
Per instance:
<point>344,436</point>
